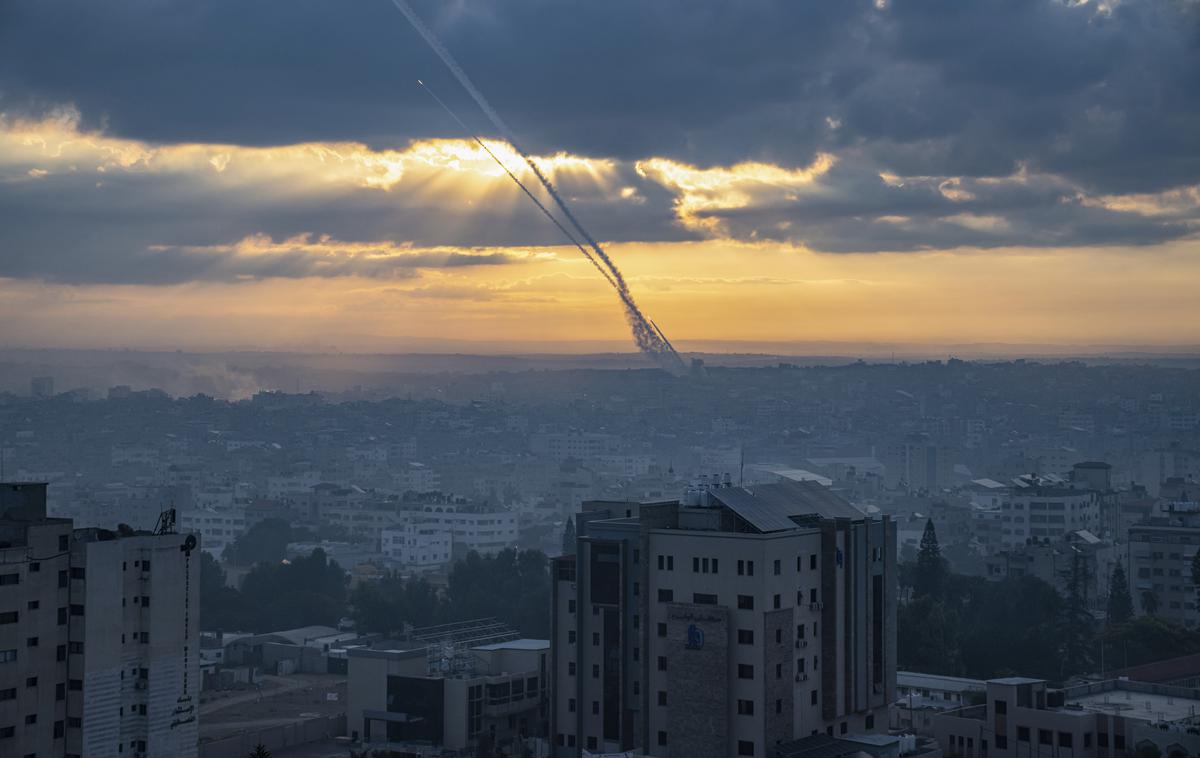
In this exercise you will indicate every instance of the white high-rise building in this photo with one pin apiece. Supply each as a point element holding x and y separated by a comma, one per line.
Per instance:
<point>99,637</point>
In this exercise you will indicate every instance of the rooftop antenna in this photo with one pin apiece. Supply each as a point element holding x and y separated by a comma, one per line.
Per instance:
<point>742,465</point>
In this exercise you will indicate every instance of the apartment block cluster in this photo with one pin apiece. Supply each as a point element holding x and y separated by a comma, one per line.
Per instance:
<point>99,632</point>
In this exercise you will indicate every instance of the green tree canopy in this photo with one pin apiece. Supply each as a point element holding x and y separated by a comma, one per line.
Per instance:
<point>929,576</point>
<point>265,542</point>
<point>1120,602</point>
<point>568,538</point>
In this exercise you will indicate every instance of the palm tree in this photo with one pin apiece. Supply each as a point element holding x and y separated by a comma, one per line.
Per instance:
<point>260,751</point>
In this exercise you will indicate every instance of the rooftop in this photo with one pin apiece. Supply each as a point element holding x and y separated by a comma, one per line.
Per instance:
<point>775,507</point>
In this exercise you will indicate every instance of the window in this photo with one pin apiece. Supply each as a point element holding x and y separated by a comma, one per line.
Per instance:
<point>7,731</point>
<point>1064,739</point>
<point>662,738</point>
<point>749,568</point>
<point>591,743</point>
<point>779,706</point>
<point>77,572</point>
<point>812,561</point>
<point>842,728</point>
<point>745,636</point>
<point>778,670</point>
<point>595,707</point>
<point>571,636</point>
<point>60,691</point>
<point>745,707</point>
<point>662,697</point>
<point>570,606</point>
<point>1001,708</point>
<point>595,638</point>
<point>1045,737</point>
<point>745,747</point>
<point>75,685</point>
<point>31,719</point>
<point>571,705</point>
<point>869,721</point>
<point>8,656</point>
<point>35,566</point>
<point>10,579</point>
<point>1101,739</point>
<point>665,596</point>
<point>714,565</point>
<point>799,563</point>
<point>701,598</point>
<point>31,642</point>
<point>571,668</point>
<point>1002,742</point>
<point>8,694</point>
<point>745,671</point>
<point>813,699</point>
<point>76,610</point>
<point>31,681</point>
<point>595,670</point>
<point>662,663</point>
<point>778,601</point>
<point>670,563</point>
<point>746,602</point>
<point>8,617</point>
<point>661,562</point>
<point>662,629</point>
<point>63,581</point>
<point>695,565</point>
<point>62,616</point>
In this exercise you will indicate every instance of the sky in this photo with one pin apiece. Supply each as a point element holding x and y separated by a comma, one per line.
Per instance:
<point>268,175</point>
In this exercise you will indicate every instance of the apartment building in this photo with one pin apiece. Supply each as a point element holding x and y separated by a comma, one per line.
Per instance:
<point>1161,550</point>
<point>1048,513</point>
<point>99,637</point>
<point>723,624</point>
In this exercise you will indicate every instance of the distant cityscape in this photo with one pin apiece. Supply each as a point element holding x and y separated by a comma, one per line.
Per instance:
<point>753,561</point>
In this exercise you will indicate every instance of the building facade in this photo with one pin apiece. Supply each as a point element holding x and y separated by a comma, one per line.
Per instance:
<point>99,637</point>
<point>723,624</point>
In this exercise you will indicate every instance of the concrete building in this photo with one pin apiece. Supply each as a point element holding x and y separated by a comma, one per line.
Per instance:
<point>416,545</point>
<point>1048,513</point>
<point>723,624</point>
<point>918,462</point>
<point>920,696</point>
<point>421,700</point>
<point>99,637</point>
<point>1023,717</point>
<point>1161,550</point>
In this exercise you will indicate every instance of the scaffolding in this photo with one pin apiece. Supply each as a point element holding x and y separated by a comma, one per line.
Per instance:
<point>448,646</point>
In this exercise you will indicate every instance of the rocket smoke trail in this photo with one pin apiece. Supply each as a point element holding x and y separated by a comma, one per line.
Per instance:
<point>647,337</point>
<point>546,211</point>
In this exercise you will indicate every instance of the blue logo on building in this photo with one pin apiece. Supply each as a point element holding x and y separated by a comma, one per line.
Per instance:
<point>695,639</point>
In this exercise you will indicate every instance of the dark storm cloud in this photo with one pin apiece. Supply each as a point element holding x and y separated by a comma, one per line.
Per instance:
<point>1084,99</point>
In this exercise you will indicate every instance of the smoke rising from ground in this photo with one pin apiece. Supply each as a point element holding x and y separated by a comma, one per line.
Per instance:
<point>646,336</point>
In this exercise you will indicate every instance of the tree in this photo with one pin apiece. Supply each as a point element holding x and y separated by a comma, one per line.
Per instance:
<point>260,751</point>
<point>930,576</point>
<point>1147,750</point>
<point>265,542</point>
<point>1076,620</point>
<point>306,591</point>
<point>1150,602</point>
<point>568,538</point>
<point>1120,602</point>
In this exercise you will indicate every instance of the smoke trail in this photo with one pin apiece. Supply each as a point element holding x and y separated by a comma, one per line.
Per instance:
<point>647,337</point>
<point>566,232</point>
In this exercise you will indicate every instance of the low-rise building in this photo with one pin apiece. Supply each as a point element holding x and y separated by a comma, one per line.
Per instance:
<point>450,695</point>
<point>1025,717</point>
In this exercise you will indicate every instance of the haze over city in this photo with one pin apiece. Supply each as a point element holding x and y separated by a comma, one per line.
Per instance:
<point>567,379</point>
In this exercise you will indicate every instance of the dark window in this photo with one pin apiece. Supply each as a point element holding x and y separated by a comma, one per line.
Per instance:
<point>31,681</point>
<point>9,617</point>
<point>745,671</point>
<point>812,561</point>
<point>595,707</point>
<point>665,596</point>
<point>1064,739</point>
<point>670,563</point>
<point>76,610</point>
<point>1001,707</point>
<point>662,697</point>
<point>662,663</point>
<point>745,707</point>
<point>1045,737</point>
<point>62,616</point>
<point>35,566</point>
<point>662,738</point>
<point>60,691</point>
<point>869,721</point>
<point>1101,739</point>
<point>778,601</point>
<point>813,699</point>
<point>701,598</point>
<point>570,668</point>
<point>749,568</point>
<point>746,602</point>
<point>10,579</point>
<point>33,605</point>
<point>64,542</point>
<point>661,563</point>
<point>745,747</point>
<point>1002,742</point>
<point>779,706</point>
<point>63,579</point>
<point>745,636</point>
<point>799,562</point>
<point>778,567</point>
<point>595,670</point>
<point>570,606</point>
<point>595,638</point>
<point>695,565</point>
<point>662,629</point>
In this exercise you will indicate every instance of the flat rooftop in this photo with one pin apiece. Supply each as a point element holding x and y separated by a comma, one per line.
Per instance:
<point>1148,706</point>
<point>522,644</point>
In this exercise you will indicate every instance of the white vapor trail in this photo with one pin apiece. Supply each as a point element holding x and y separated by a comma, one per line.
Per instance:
<point>647,337</point>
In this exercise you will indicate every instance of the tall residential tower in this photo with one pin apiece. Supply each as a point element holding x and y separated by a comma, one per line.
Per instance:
<point>724,623</point>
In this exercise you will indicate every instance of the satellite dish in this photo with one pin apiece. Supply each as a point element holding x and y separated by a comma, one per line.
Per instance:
<point>189,543</point>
